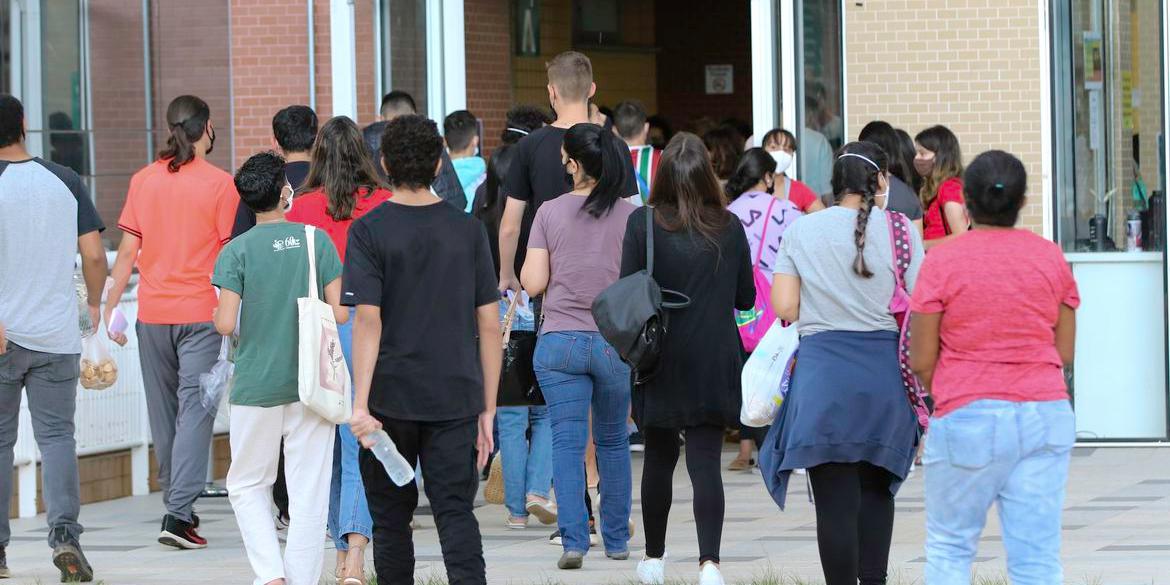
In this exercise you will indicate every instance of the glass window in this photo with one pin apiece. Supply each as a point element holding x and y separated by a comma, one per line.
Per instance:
<point>819,92</point>
<point>6,24</point>
<point>404,48</point>
<point>61,89</point>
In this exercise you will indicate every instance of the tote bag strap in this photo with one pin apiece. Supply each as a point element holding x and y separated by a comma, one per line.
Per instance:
<point>764,234</point>
<point>650,240</point>
<point>309,243</point>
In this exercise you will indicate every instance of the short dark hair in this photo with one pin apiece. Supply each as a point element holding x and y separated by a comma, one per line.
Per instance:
<point>295,128</point>
<point>523,120</point>
<point>459,127</point>
<point>411,148</point>
<point>11,120</point>
<point>779,136</point>
<point>994,185</point>
<point>397,101</point>
<point>629,117</point>
<point>260,180</point>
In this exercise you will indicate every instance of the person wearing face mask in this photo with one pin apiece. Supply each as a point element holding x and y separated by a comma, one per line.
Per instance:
<point>939,162</point>
<point>900,197</point>
<point>780,144</point>
<point>178,215</point>
<point>818,157</point>
<point>846,418</point>
<point>341,187</point>
<point>764,214</point>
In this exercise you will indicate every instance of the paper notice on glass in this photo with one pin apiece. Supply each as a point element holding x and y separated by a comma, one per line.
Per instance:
<point>1095,131</point>
<point>720,79</point>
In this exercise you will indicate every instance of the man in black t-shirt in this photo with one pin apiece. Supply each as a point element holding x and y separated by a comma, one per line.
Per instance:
<point>536,174</point>
<point>427,355</point>
<point>294,129</point>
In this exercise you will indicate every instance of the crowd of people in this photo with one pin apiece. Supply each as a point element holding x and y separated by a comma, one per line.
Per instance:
<point>414,240</point>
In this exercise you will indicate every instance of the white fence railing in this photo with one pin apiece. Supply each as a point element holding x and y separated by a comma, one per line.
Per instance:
<point>107,420</point>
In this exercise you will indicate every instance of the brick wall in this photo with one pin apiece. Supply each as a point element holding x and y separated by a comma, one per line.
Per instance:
<point>973,66</point>
<point>269,67</point>
<point>725,39</point>
<point>488,47</point>
<point>367,91</point>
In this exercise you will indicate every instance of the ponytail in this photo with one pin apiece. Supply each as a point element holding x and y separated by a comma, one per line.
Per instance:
<point>753,166</point>
<point>187,118</point>
<point>856,172</point>
<point>605,159</point>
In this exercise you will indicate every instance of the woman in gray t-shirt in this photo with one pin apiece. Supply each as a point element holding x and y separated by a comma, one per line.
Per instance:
<point>846,418</point>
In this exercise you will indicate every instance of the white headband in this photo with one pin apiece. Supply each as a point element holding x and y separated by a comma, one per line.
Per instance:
<point>516,130</point>
<point>866,159</point>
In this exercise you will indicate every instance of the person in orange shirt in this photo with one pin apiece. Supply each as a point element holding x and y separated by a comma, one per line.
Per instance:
<point>178,216</point>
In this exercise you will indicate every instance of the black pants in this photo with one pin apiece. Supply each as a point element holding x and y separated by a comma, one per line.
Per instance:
<point>855,521</point>
<point>704,445</point>
<point>446,452</point>
<point>280,488</point>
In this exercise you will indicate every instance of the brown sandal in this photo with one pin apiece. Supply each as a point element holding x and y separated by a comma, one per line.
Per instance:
<point>350,578</point>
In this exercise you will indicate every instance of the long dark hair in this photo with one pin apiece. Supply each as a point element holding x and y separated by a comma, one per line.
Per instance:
<point>187,118</point>
<point>948,160</point>
<point>908,152</point>
<point>753,166</point>
<point>884,135</point>
<point>686,191</point>
<point>605,159</point>
<point>856,172</point>
<point>725,146</point>
<point>341,167</point>
<point>491,207</point>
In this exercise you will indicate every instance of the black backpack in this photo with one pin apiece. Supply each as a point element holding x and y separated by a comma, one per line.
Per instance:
<point>631,314</point>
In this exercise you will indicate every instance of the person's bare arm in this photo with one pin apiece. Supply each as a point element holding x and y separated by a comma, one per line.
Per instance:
<point>509,241</point>
<point>367,335</point>
<point>94,269</point>
<point>786,297</point>
<point>924,345</point>
<point>816,206</point>
<point>1066,334</point>
<point>3,340</point>
<point>535,274</point>
<point>227,312</point>
<point>957,223</point>
<point>123,267</point>
<point>333,297</point>
<point>918,225</point>
<point>491,358</point>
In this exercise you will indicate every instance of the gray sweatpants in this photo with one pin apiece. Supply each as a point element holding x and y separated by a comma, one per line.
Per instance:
<point>51,382</point>
<point>173,357</point>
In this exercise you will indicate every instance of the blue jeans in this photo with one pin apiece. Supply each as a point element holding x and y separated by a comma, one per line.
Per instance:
<point>1013,454</point>
<point>578,371</point>
<point>527,462</point>
<point>348,511</point>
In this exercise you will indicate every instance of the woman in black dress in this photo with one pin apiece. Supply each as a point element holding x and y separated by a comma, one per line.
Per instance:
<point>701,251</point>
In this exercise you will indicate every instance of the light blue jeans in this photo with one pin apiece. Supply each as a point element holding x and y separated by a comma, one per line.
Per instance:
<point>1013,454</point>
<point>527,461</point>
<point>579,372</point>
<point>348,511</point>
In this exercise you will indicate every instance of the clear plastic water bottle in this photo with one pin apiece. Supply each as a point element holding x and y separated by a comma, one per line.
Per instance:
<point>401,472</point>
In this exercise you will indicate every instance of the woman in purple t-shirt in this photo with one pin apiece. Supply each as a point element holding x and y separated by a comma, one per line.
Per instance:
<point>574,252</point>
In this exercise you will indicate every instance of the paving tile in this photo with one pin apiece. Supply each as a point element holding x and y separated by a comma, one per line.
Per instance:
<point>1135,548</point>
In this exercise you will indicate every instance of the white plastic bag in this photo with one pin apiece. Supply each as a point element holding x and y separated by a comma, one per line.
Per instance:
<point>98,368</point>
<point>323,382</point>
<point>215,386</point>
<point>766,373</point>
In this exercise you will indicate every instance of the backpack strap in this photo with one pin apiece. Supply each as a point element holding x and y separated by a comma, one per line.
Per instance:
<point>899,245</point>
<point>764,234</point>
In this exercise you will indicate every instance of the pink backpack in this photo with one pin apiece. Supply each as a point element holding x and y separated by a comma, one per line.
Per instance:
<point>754,323</point>
<point>900,309</point>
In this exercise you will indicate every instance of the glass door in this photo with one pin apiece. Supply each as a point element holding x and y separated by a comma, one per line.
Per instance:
<point>1110,209</point>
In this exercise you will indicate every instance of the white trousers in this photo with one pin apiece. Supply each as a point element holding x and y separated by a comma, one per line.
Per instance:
<point>308,448</point>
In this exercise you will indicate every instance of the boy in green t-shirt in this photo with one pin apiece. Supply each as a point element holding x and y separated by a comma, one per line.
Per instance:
<point>260,276</point>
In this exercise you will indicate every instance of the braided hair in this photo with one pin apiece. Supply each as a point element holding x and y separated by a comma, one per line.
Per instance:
<point>856,172</point>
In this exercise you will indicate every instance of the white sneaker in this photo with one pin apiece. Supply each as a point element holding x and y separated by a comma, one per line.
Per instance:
<point>652,571</point>
<point>710,575</point>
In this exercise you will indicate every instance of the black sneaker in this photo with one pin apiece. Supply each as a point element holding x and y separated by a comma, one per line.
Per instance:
<point>637,443</point>
<point>4,572</point>
<point>180,534</point>
<point>594,539</point>
<point>74,568</point>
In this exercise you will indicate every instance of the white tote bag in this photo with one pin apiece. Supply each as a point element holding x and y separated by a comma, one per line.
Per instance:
<point>765,375</point>
<point>322,376</point>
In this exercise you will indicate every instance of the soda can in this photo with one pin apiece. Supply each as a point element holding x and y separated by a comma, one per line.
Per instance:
<point>1133,234</point>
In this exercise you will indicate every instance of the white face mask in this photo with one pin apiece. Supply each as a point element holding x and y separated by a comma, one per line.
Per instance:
<point>883,198</point>
<point>783,160</point>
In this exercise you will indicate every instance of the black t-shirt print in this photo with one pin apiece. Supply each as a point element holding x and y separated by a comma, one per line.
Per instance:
<point>537,176</point>
<point>428,268</point>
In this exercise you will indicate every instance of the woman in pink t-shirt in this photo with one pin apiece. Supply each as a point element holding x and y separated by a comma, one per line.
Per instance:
<point>993,327</point>
<point>939,161</point>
